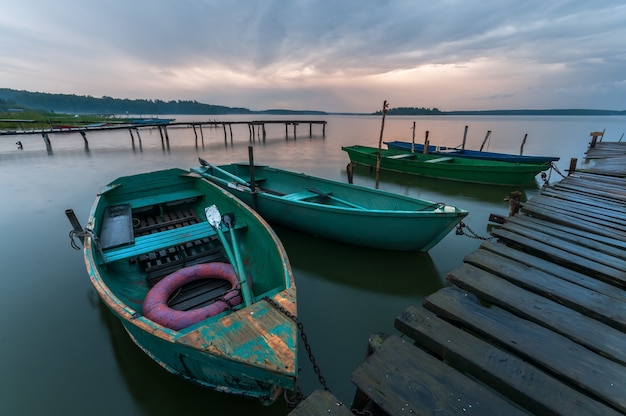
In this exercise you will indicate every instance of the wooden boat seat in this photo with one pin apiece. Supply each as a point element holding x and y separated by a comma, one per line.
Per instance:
<point>401,156</point>
<point>440,160</point>
<point>300,196</point>
<point>170,198</point>
<point>161,240</point>
<point>256,180</point>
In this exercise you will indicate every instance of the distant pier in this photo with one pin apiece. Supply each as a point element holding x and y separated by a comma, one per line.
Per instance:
<point>256,129</point>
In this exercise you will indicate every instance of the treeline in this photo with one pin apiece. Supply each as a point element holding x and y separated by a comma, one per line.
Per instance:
<point>77,104</point>
<point>411,111</point>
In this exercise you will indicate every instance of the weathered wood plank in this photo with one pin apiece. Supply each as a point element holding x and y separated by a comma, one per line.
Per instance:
<point>403,380</point>
<point>599,214</point>
<point>587,248</point>
<point>538,223</point>
<point>603,379</point>
<point>567,258</point>
<point>579,279</point>
<point>584,198</point>
<point>575,325</point>
<point>602,191</point>
<point>321,403</point>
<point>574,221</point>
<point>523,383</point>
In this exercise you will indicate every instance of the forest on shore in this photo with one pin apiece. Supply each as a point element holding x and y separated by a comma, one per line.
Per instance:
<point>16,101</point>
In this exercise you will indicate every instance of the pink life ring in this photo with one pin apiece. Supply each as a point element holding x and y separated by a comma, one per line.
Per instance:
<point>155,304</point>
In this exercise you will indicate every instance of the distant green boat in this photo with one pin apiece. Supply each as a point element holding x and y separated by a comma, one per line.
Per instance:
<point>339,211</point>
<point>200,281</point>
<point>490,172</point>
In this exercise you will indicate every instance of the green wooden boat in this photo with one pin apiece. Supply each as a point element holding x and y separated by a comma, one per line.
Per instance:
<point>339,211</point>
<point>199,280</point>
<point>490,172</point>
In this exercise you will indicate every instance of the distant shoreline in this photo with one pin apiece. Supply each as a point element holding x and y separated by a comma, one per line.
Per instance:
<point>16,101</point>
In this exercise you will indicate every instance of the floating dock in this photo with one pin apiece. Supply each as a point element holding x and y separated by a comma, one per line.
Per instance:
<point>533,322</point>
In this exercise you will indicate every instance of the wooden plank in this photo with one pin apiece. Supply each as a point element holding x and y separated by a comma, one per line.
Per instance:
<point>562,257</point>
<point>403,380</point>
<point>164,239</point>
<point>611,216</point>
<point>600,189</point>
<point>401,156</point>
<point>583,198</point>
<point>603,379</point>
<point>579,279</point>
<point>515,378</point>
<point>441,160</point>
<point>321,403</point>
<point>170,197</point>
<point>611,256</point>
<point>570,322</point>
<point>574,221</point>
<point>538,223</point>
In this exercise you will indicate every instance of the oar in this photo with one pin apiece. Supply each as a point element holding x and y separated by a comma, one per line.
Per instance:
<point>214,218</point>
<point>224,172</point>
<point>334,198</point>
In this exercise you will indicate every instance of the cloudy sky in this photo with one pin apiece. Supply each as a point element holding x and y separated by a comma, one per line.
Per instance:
<point>333,55</point>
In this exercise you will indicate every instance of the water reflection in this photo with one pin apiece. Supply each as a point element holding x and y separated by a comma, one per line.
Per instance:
<point>377,271</point>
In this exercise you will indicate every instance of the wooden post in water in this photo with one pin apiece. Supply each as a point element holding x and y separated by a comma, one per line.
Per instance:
<point>225,136</point>
<point>251,173</point>
<point>132,138</point>
<point>413,139</point>
<point>521,149</point>
<point>380,139</point>
<point>162,139</point>
<point>294,130</point>
<point>195,133</point>
<point>310,130</point>
<point>464,138</point>
<point>572,166</point>
<point>286,131</point>
<point>485,140</point>
<point>324,129</point>
<point>426,143</point>
<point>46,140</point>
<point>82,133</point>
<point>167,137</point>
<point>138,138</point>
<point>349,170</point>
<point>514,202</point>
<point>594,137</point>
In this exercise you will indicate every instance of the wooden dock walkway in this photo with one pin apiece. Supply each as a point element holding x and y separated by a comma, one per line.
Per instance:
<point>533,322</point>
<point>256,129</point>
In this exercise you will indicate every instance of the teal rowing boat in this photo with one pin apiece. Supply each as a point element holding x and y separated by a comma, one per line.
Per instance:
<point>334,210</point>
<point>490,172</point>
<point>200,281</point>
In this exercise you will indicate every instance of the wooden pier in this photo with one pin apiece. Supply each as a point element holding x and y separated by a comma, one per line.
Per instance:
<point>256,130</point>
<point>533,322</point>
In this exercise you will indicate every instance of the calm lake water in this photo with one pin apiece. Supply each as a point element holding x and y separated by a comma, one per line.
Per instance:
<point>61,352</point>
